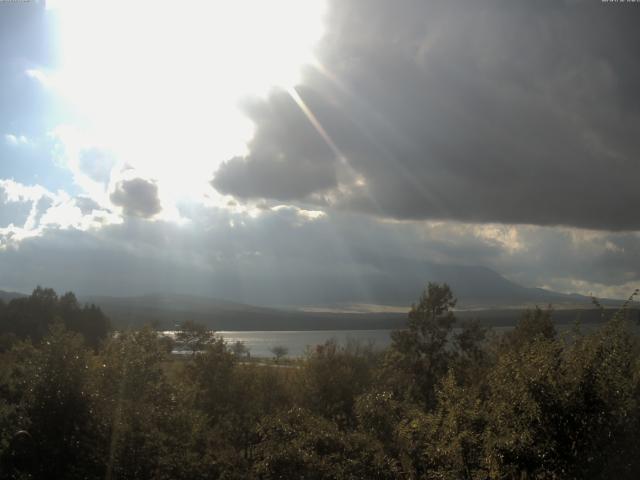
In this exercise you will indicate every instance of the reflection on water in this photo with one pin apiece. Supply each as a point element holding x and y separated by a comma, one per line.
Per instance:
<point>260,343</point>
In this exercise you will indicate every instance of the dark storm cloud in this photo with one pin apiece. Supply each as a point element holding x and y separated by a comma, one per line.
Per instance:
<point>557,257</point>
<point>278,167</point>
<point>137,197</point>
<point>86,204</point>
<point>514,112</point>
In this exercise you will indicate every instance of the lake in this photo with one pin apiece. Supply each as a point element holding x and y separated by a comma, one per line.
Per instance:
<point>259,343</point>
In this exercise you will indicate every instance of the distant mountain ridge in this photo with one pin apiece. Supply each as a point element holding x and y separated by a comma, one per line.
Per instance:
<point>170,310</point>
<point>167,312</point>
<point>481,292</point>
<point>482,287</point>
<point>474,286</point>
<point>8,296</point>
<point>174,302</point>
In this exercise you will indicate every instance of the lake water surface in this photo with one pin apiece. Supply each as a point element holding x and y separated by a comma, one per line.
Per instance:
<point>297,342</point>
<point>260,343</point>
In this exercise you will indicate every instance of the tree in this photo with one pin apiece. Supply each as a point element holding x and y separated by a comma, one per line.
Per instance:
<point>88,320</point>
<point>279,351</point>
<point>298,444</point>
<point>211,378</point>
<point>456,428</point>
<point>472,356</point>
<point>333,377</point>
<point>31,317</point>
<point>194,337</point>
<point>419,355</point>
<point>535,324</point>
<point>146,428</point>
<point>380,416</point>
<point>58,407</point>
<point>566,409</point>
<point>239,349</point>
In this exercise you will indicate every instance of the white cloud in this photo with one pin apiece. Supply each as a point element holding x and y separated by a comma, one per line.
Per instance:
<point>71,145</point>
<point>17,192</point>
<point>620,290</point>
<point>506,236</point>
<point>301,214</point>
<point>45,210</point>
<point>15,140</point>
<point>40,76</point>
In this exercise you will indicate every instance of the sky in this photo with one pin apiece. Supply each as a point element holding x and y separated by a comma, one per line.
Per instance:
<point>318,152</point>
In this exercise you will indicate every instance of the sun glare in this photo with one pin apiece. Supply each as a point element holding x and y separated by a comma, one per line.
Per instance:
<point>159,82</point>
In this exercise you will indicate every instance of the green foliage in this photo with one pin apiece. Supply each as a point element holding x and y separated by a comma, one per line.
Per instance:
<point>566,410</point>
<point>334,376</point>
<point>456,427</point>
<point>441,403</point>
<point>420,355</point>
<point>32,317</point>
<point>56,406</point>
<point>146,432</point>
<point>379,414</point>
<point>256,391</point>
<point>240,350</point>
<point>298,444</point>
<point>194,337</point>
<point>210,375</point>
<point>279,352</point>
<point>471,358</point>
<point>534,325</point>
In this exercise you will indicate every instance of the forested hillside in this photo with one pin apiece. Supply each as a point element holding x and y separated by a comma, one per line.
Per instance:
<point>32,317</point>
